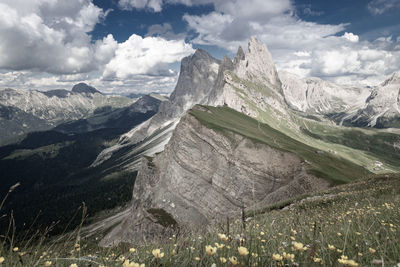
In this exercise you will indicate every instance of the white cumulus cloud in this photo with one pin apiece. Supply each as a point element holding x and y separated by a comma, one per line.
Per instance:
<point>150,55</point>
<point>51,36</point>
<point>351,37</point>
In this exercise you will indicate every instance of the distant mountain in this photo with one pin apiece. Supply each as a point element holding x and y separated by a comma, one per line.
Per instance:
<point>120,118</point>
<point>382,107</point>
<point>35,110</point>
<point>84,88</point>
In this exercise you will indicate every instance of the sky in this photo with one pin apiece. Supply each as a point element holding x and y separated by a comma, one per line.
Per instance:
<point>135,46</point>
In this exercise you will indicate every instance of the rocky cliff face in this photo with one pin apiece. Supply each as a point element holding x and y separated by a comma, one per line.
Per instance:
<point>204,176</point>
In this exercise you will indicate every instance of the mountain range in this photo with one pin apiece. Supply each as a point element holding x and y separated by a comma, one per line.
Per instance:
<point>24,111</point>
<point>234,136</point>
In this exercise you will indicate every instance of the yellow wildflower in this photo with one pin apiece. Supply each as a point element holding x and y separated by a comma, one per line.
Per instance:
<point>352,263</point>
<point>277,257</point>
<point>293,231</point>
<point>157,253</point>
<point>73,265</point>
<point>243,251</point>
<point>233,260</point>
<point>131,250</point>
<point>15,249</point>
<point>197,259</point>
<point>47,263</point>
<point>223,237</point>
<point>288,256</point>
<point>299,246</point>
<point>317,260</point>
<point>222,260</point>
<point>211,250</point>
<point>292,238</point>
<point>127,263</point>
<point>2,260</point>
<point>254,255</point>
<point>219,245</point>
<point>371,250</point>
<point>262,233</point>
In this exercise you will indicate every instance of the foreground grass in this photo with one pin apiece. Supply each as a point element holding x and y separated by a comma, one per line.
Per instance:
<point>349,225</point>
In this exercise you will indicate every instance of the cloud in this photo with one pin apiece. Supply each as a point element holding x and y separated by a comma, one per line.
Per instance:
<point>326,51</point>
<point>351,37</point>
<point>150,55</point>
<point>46,44</point>
<point>51,36</point>
<point>165,31</point>
<point>309,12</point>
<point>152,5</point>
<point>238,8</point>
<point>378,7</point>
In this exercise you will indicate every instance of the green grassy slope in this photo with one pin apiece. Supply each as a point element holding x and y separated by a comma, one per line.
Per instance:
<point>322,164</point>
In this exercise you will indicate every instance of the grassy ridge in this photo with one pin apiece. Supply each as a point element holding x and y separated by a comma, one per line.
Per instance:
<point>323,164</point>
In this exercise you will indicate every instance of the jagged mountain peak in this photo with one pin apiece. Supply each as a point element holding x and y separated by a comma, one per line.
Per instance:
<point>197,74</point>
<point>239,55</point>
<point>200,53</point>
<point>257,64</point>
<point>84,88</point>
<point>395,79</point>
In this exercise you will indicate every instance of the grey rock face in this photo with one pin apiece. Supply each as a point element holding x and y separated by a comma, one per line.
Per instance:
<point>202,177</point>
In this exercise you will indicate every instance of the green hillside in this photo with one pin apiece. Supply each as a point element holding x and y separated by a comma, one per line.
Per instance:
<point>322,163</point>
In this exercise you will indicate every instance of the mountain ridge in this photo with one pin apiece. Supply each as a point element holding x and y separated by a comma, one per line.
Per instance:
<point>45,110</point>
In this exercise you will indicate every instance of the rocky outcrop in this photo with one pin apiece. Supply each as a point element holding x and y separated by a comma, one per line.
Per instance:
<point>257,64</point>
<point>204,176</point>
